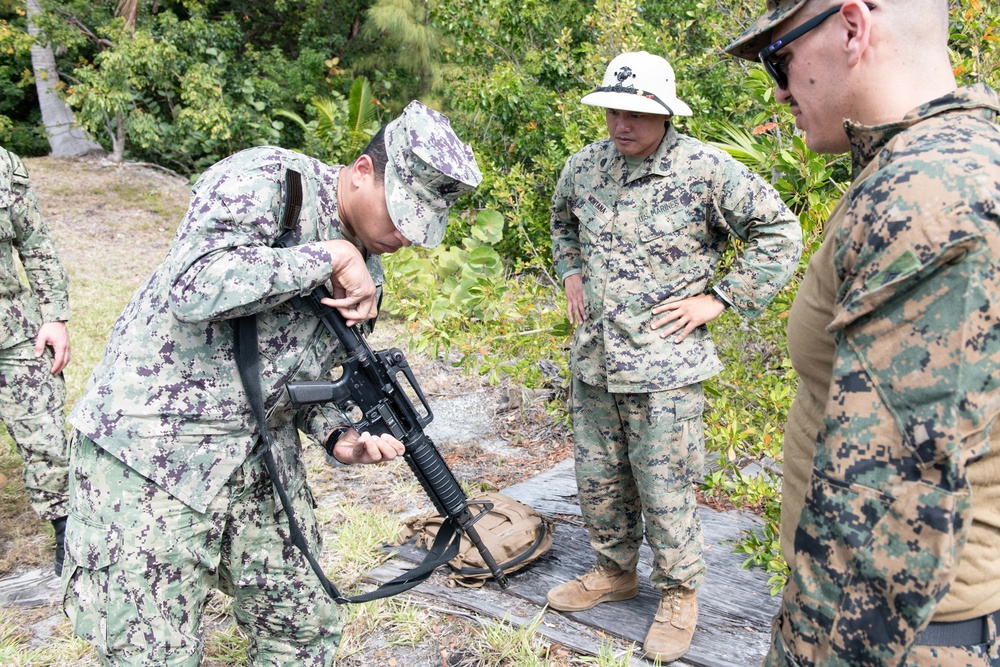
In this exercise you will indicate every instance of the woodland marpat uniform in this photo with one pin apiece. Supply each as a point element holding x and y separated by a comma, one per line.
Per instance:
<point>657,234</point>
<point>31,398</point>
<point>640,238</point>
<point>887,537</point>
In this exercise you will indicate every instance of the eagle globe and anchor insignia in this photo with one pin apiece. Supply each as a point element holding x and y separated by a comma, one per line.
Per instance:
<point>623,75</point>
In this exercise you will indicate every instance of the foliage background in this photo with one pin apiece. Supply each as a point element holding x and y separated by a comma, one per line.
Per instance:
<point>195,80</point>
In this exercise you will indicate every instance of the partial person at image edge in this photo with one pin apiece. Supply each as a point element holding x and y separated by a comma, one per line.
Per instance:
<point>891,503</point>
<point>34,347</point>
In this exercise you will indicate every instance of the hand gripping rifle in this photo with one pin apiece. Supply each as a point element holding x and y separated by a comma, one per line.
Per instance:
<point>370,384</point>
<point>370,387</point>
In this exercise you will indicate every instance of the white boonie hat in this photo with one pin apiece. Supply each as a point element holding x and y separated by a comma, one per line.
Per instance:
<point>640,82</point>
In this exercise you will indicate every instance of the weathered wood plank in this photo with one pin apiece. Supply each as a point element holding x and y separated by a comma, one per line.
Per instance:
<point>735,608</point>
<point>31,588</point>
<point>552,493</point>
<point>490,602</point>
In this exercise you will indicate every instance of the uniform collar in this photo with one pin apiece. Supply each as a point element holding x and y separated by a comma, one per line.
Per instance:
<point>657,163</point>
<point>867,141</point>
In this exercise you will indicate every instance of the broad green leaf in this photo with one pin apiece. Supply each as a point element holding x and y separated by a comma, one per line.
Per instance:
<point>489,226</point>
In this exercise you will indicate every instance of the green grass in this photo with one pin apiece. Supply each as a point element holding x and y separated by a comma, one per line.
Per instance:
<point>141,196</point>
<point>509,644</point>
<point>17,648</point>
<point>385,622</point>
<point>226,647</point>
<point>609,655</point>
<point>96,304</point>
<point>354,539</point>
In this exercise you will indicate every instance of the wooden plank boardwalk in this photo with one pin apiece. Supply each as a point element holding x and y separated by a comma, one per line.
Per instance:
<point>735,608</point>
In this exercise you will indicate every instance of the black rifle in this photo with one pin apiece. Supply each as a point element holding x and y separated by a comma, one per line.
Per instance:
<point>370,389</point>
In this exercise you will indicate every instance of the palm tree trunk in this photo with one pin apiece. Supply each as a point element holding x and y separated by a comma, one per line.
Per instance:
<point>118,140</point>
<point>65,138</point>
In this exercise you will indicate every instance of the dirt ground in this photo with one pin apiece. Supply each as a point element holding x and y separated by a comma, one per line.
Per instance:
<point>112,225</point>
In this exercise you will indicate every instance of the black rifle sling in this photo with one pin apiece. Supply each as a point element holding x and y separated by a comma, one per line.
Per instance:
<point>246,352</point>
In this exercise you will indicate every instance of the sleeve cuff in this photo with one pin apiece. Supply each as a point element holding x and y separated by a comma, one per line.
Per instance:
<point>717,293</point>
<point>331,441</point>
<point>54,312</point>
<point>570,272</point>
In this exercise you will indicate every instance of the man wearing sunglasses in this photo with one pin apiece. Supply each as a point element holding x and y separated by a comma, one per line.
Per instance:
<point>891,500</point>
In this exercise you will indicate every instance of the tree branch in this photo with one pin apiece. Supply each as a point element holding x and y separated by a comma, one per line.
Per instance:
<point>71,20</point>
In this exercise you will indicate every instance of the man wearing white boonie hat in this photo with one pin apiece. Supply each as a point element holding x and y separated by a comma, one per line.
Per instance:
<point>639,223</point>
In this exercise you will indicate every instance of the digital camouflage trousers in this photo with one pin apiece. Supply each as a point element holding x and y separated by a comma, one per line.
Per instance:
<point>637,459</point>
<point>140,567</point>
<point>32,403</point>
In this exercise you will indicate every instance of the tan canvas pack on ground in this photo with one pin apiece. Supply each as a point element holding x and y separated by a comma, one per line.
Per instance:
<point>513,532</point>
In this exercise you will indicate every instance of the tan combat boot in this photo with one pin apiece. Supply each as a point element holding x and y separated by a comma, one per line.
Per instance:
<point>670,634</point>
<point>597,586</point>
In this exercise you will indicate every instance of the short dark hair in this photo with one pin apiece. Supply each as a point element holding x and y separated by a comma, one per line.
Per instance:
<point>376,151</point>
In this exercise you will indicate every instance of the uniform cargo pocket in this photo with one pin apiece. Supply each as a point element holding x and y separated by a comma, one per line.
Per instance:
<point>886,565</point>
<point>91,551</point>
<point>689,402</point>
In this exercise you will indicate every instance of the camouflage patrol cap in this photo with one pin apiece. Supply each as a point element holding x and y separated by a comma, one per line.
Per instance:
<point>428,167</point>
<point>758,35</point>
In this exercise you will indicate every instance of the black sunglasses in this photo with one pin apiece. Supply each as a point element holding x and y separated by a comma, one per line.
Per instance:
<point>774,65</point>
